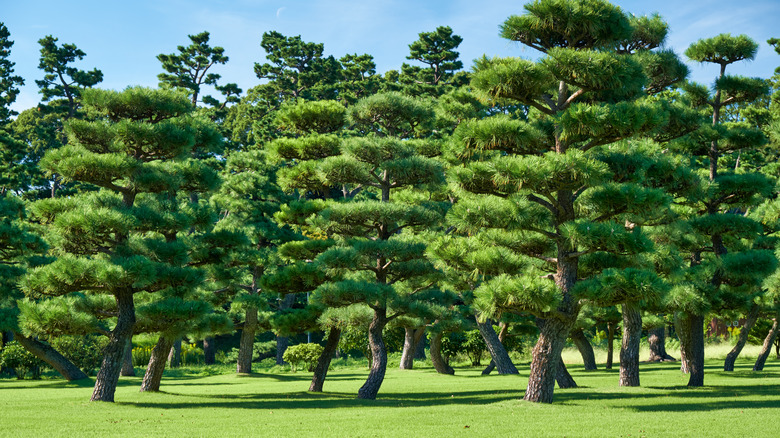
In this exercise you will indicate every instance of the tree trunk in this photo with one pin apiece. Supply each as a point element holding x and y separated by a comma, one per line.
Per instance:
<point>412,338</point>
<point>767,347</point>
<point>439,364</point>
<point>282,342</point>
<point>246,345</point>
<point>497,351</point>
<point>51,356</point>
<point>692,342</point>
<point>657,340</point>
<point>678,327</point>
<point>752,316</point>
<point>629,349</point>
<point>562,376</point>
<point>546,357</point>
<point>503,329</point>
<point>174,357</point>
<point>610,344</point>
<point>154,371</point>
<point>113,354</point>
<point>209,350</point>
<point>419,351</point>
<point>370,389</point>
<point>323,363</point>
<point>585,349</point>
<point>127,363</point>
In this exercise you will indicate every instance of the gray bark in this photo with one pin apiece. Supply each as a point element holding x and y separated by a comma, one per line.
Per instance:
<point>767,346</point>
<point>629,350</point>
<point>750,321</point>
<point>127,363</point>
<point>586,350</point>
<point>497,351</point>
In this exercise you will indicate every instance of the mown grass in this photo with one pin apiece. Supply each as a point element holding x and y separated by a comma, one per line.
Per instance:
<point>411,403</point>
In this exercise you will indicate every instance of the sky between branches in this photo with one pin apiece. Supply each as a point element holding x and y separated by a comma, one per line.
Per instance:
<point>123,38</point>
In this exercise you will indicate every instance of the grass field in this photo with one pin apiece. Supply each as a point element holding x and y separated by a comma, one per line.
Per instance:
<point>411,403</point>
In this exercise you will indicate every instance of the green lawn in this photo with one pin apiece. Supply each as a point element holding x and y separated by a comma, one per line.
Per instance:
<point>411,403</point>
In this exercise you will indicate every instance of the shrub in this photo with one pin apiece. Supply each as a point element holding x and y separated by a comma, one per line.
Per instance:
<point>303,354</point>
<point>474,347</point>
<point>86,352</point>
<point>16,357</point>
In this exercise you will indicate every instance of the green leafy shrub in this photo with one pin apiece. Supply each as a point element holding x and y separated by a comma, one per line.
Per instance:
<point>86,352</point>
<point>303,355</point>
<point>20,360</point>
<point>474,347</point>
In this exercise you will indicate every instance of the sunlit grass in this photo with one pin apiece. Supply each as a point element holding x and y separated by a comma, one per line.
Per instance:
<point>411,403</point>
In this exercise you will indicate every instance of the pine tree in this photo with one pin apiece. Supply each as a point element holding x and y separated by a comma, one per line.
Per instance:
<point>719,249</point>
<point>548,183</point>
<point>9,83</point>
<point>109,243</point>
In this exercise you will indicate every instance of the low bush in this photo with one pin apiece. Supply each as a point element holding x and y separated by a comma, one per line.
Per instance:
<point>303,355</point>
<point>20,360</point>
<point>86,352</point>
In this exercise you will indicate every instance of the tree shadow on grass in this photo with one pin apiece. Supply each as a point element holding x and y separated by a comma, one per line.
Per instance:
<point>329,400</point>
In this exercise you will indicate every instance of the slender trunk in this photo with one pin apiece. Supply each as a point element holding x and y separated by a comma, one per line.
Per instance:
<point>419,351</point>
<point>629,350</point>
<point>752,316</point>
<point>497,351</point>
<point>439,364</point>
<point>154,371</point>
<point>323,363</point>
<point>683,337</point>
<point>546,358</point>
<point>282,342</point>
<point>209,350</point>
<point>767,347</point>
<point>51,356</point>
<point>586,350</point>
<point>127,363</point>
<point>370,389</point>
<point>412,338</point>
<point>246,345</point>
<point>562,376</point>
<point>692,331</point>
<point>610,344</point>
<point>503,329</point>
<point>657,340</point>
<point>108,376</point>
<point>174,357</point>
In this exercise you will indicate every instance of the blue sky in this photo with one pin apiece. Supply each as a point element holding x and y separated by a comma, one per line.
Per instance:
<point>122,38</point>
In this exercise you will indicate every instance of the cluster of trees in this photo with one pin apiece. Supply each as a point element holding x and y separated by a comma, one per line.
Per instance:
<point>593,186</point>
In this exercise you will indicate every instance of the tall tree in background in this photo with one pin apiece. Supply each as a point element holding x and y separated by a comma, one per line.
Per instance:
<point>724,269</point>
<point>9,83</point>
<point>62,80</point>
<point>189,70</point>
<point>107,242</point>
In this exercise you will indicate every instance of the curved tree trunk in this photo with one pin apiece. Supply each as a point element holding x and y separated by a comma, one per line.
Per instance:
<point>127,363</point>
<point>562,376</point>
<point>247,343</point>
<point>586,350</point>
<point>546,358</point>
<point>497,351</point>
<point>629,350</point>
<point>767,347</point>
<point>503,329</point>
<point>657,340</point>
<point>439,364</point>
<point>692,342</point>
<point>750,321</point>
<point>154,371</point>
<point>678,327</point>
<point>51,356</point>
<point>174,357</point>
<point>108,376</point>
<point>323,362</point>
<point>209,350</point>
<point>419,351</point>
<point>412,338</point>
<point>370,389</point>
<point>610,344</point>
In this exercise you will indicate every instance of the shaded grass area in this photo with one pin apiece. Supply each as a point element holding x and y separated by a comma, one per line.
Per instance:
<point>411,403</point>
